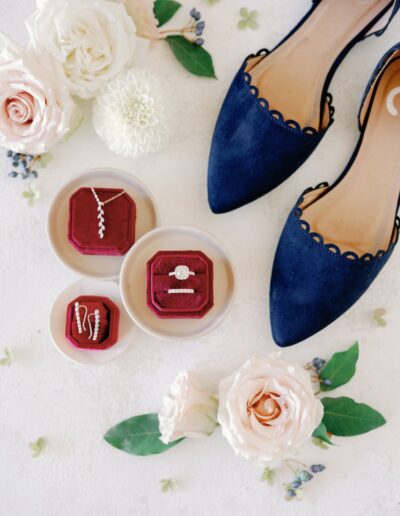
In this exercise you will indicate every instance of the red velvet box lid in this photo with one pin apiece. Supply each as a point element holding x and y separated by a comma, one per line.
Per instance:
<point>83,222</point>
<point>180,306</point>
<point>108,328</point>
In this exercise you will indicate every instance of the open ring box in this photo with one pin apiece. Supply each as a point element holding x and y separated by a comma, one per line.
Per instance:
<point>161,278</point>
<point>108,323</point>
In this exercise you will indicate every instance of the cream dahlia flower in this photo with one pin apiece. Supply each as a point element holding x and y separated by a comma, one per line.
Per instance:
<point>130,114</point>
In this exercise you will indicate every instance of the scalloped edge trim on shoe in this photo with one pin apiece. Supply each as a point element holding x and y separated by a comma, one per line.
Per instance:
<point>333,248</point>
<point>275,114</point>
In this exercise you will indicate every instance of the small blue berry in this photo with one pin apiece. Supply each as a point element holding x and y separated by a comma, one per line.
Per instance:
<point>305,476</point>
<point>199,42</point>
<point>15,163</point>
<point>13,174</point>
<point>195,14</point>
<point>290,493</point>
<point>296,484</point>
<point>318,363</point>
<point>326,381</point>
<point>34,173</point>
<point>9,154</point>
<point>317,468</point>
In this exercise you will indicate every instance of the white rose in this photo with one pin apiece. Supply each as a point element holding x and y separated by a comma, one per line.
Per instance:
<point>36,111</point>
<point>87,42</point>
<point>268,409</point>
<point>189,409</point>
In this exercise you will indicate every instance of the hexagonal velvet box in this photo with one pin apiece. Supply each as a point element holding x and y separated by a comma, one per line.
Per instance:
<point>101,221</point>
<point>180,284</point>
<point>92,322</point>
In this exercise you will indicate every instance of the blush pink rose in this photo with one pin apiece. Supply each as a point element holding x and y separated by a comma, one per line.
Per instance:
<point>35,111</point>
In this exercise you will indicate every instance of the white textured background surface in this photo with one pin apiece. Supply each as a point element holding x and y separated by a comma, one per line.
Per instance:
<point>42,394</point>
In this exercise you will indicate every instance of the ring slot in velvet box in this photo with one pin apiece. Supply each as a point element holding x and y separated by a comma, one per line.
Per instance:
<point>101,221</point>
<point>180,284</point>
<point>92,322</point>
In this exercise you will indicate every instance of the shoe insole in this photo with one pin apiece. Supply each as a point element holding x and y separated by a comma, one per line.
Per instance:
<point>292,78</point>
<point>358,213</point>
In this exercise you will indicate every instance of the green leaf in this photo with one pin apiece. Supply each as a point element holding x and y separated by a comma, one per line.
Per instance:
<point>44,159</point>
<point>168,484</point>
<point>244,12</point>
<point>345,417</point>
<point>138,435</point>
<point>164,10</point>
<point>340,368</point>
<point>268,475</point>
<point>8,357</point>
<point>38,447</point>
<point>322,434</point>
<point>378,317</point>
<point>242,24</point>
<point>194,58</point>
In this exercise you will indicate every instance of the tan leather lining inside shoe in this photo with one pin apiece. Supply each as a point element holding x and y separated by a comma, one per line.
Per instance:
<point>358,213</point>
<point>292,78</point>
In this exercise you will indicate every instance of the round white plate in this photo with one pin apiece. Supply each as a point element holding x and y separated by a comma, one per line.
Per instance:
<point>133,281</point>
<point>99,267</point>
<point>89,287</point>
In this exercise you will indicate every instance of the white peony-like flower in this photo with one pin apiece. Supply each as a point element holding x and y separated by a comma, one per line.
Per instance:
<point>36,110</point>
<point>189,409</point>
<point>131,114</point>
<point>87,42</point>
<point>268,409</point>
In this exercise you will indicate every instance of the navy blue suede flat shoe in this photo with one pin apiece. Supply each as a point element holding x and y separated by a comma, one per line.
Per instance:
<point>337,239</point>
<point>278,107</point>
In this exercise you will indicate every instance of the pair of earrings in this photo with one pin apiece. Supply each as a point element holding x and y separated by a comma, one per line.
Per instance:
<point>93,332</point>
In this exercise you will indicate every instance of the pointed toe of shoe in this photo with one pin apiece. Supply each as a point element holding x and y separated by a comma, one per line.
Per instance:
<point>253,148</point>
<point>312,283</point>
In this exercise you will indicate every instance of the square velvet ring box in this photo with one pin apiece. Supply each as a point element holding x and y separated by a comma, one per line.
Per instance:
<point>180,284</point>
<point>101,221</point>
<point>92,322</point>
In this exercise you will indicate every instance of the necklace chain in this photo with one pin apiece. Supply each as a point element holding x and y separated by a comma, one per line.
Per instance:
<point>100,215</point>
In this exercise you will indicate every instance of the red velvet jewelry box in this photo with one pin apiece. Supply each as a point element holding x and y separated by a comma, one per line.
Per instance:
<point>180,270</point>
<point>81,332</point>
<point>118,218</point>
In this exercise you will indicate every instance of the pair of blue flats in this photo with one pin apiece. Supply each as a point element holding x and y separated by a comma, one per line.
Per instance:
<point>337,238</point>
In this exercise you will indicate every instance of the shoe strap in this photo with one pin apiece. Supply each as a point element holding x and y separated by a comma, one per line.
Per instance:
<point>368,96</point>
<point>383,23</point>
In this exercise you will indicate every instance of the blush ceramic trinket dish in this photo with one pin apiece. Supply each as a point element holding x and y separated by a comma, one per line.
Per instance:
<point>180,284</point>
<point>92,322</point>
<point>101,221</point>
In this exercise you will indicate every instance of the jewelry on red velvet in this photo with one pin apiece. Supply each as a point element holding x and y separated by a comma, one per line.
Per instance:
<point>99,327</point>
<point>180,284</point>
<point>95,230</point>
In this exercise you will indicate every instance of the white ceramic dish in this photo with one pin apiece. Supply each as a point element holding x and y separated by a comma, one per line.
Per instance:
<point>58,314</point>
<point>133,282</point>
<point>99,267</point>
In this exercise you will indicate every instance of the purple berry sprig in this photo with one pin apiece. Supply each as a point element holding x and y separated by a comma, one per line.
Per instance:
<point>294,489</point>
<point>192,31</point>
<point>23,165</point>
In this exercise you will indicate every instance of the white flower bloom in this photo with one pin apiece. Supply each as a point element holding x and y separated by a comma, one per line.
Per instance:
<point>87,42</point>
<point>36,110</point>
<point>130,114</point>
<point>189,409</point>
<point>268,409</point>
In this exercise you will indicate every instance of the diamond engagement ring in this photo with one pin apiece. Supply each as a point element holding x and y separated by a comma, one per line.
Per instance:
<point>182,272</point>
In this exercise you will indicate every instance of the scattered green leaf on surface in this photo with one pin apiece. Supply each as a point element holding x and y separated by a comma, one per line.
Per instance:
<point>38,447</point>
<point>379,317</point>
<point>345,417</point>
<point>164,10</point>
<point>322,434</point>
<point>339,369</point>
<point>139,435</point>
<point>320,443</point>
<point>168,484</point>
<point>32,194</point>
<point>195,59</point>
<point>44,159</point>
<point>268,475</point>
<point>8,357</point>
<point>249,19</point>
